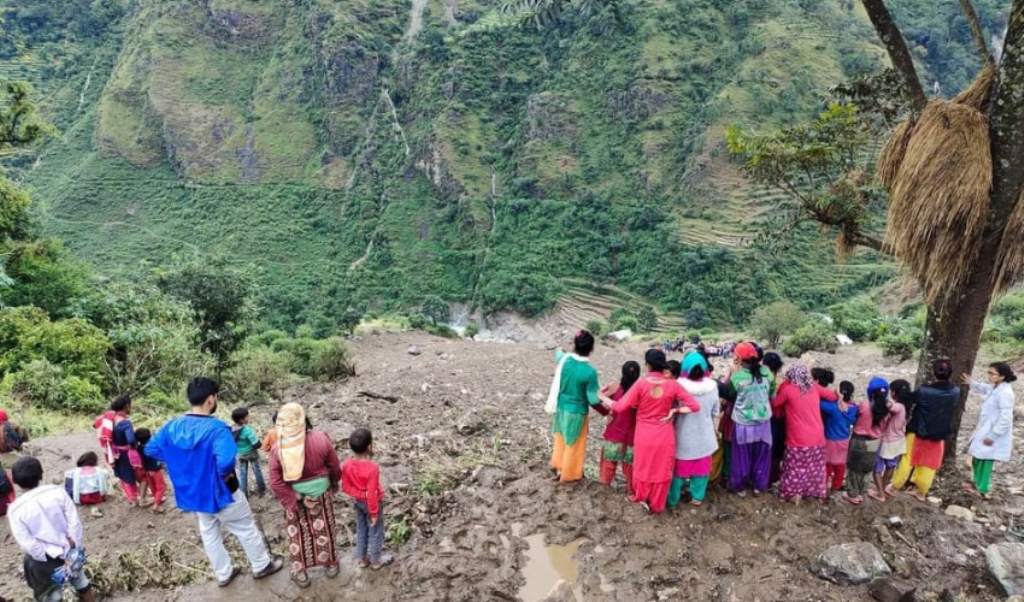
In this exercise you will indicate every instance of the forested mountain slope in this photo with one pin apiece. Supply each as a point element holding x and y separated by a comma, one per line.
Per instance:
<point>367,153</point>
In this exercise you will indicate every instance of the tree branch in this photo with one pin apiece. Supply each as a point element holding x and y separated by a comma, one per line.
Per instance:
<point>976,31</point>
<point>896,46</point>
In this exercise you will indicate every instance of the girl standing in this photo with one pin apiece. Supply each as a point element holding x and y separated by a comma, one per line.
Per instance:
<point>752,388</point>
<point>578,390</point>
<point>893,440</point>
<point>803,469</point>
<point>993,438</point>
<point>127,461</point>
<point>655,399</point>
<point>867,433</point>
<point>618,435</point>
<point>838,417</point>
<point>695,432</point>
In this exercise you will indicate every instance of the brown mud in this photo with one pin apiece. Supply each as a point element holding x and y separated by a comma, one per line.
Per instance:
<point>463,443</point>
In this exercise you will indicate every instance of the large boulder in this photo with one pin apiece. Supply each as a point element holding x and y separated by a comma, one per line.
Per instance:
<point>1006,563</point>
<point>850,564</point>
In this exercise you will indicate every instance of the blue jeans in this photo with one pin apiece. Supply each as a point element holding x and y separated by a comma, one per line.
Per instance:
<point>243,476</point>
<point>367,535</point>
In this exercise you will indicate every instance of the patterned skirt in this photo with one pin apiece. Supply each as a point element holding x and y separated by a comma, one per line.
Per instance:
<point>311,534</point>
<point>803,473</point>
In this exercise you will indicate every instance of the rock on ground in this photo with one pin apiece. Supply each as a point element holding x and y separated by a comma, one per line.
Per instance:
<point>959,512</point>
<point>561,592</point>
<point>850,564</point>
<point>1006,563</point>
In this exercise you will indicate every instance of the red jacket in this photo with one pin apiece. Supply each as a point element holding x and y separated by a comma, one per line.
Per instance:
<point>360,480</point>
<point>804,427</point>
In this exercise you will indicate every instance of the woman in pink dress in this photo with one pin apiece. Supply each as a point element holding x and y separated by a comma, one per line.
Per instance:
<point>657,399</point>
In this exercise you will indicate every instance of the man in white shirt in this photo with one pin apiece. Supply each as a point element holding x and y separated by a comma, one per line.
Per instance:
<point>46,526</point>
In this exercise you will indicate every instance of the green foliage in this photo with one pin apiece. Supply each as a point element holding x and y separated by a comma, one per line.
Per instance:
<point>398,531</point>
<point>46,385</point>
<point>44,275</point>
<point>857,318</point>
<point>597,328</point>
<point>154,340</point>
<point>221,297</point>
<point>350,320</point>
<point>20,125</point>
<point>628,322</point>
<point>901,346</point>
<point>815,335</point>
<point>772,322</point>
<point>472,329</point>
<point>257,375</point>
<point>647,319</point>
<point>27,334</point>
<point>333,360</point>
<point>418,321</point>
<point>436,309</point>
<point>697,315</point>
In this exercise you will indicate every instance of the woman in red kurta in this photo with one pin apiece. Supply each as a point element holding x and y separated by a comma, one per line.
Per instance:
<point>657,398</point>
<point>803,468</point>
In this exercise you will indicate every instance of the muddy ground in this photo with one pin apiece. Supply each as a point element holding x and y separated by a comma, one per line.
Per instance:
<point>463,443</point>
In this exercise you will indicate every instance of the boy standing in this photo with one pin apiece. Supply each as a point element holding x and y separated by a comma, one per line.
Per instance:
<point>46,526</point>
<point>248,451</point>
<point>153,472</point>
<point>360,480</point>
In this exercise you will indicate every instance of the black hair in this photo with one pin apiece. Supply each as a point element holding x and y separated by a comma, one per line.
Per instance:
<point>273,418</point>
<point>1004,370</point>
<point>697,372</point>
<point>754,366</point>
<point>120,403</point>
<point>655,358</point>
<point>846,390</point>
<point>879,405</point>
<point>360,440</point>
<point>674,368</point>
<point>583,343</point>
<point>823,376</point>
<point>239,414</point>
<point>143,436</point>
<point>630,374</point>
<point>707,360</point>
<point>773,361</point>
<point>902,392</point>
<point>200,389</point>
<point>89,459</point>
<point>309,424</point>
<point>27,472</point>
<point>942,369</point>
<point>760,352</point>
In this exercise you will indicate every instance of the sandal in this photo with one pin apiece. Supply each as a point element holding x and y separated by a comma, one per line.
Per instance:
<point>856,501</point>
<point>696,503</point>
<point>301,579</point>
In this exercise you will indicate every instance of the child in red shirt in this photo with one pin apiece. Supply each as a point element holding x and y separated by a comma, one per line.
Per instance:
<point>360,480</point>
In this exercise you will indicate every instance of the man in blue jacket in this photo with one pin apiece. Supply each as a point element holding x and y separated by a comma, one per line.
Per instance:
<point>199,452</point>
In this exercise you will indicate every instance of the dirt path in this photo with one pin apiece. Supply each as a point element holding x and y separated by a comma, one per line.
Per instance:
<point>415,18</point>
<point>463,449</point>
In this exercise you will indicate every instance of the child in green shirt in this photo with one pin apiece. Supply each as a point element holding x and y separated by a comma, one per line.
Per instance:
<point>248,451</point>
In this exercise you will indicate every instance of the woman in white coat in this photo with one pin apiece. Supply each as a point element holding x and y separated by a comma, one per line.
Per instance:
<point>992,440</point>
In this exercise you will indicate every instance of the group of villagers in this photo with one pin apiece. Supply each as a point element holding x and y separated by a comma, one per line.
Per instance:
<point>199,454</point>
<point>673,427</point>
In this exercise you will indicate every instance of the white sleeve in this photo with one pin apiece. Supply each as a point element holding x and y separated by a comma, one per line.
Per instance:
<point>74,522</point>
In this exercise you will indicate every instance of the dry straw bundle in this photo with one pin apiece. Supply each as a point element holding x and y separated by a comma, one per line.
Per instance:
<point>939,174</point>
<point>1011,252</point>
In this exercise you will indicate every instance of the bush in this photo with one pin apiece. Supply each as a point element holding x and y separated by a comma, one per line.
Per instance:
<point>697,316</point>
<point>27,334</point>
<point>900,346</point>
<point>647,319</point>
<point>442,330</point>
<point>815,335</point>
<point>299,354</point>
<point>267,338</point>
<point>332,360</point>
<point>472,329</point>
<point>45,385</point>
<point>597,328</point>
<point>628,323</point>
<point>436,309</point>
<point>258,374</point>
<point>418,321</point>
<point>772,322</point>
<point>618,314</point>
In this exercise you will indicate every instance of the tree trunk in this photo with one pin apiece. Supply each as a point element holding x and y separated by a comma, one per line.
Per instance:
<point>896,46</point>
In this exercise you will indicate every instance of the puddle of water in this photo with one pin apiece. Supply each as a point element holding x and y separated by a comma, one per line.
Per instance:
<point>546,566</point>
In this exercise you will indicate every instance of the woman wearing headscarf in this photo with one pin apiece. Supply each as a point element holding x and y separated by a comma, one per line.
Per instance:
<point>751,387</point>
<point>695,432</point>
<point>304,475</point>
<point>803,467</point>
<point>657,399</point>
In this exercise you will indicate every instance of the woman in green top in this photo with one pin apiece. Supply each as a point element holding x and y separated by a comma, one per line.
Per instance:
<point>578,391</point>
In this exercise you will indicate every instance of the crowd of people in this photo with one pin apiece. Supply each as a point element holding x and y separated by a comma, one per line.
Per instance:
<point>675,428</point>
<point>208,463</point>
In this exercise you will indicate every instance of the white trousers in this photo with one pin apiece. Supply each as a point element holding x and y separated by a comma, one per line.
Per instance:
<point>236,518</point>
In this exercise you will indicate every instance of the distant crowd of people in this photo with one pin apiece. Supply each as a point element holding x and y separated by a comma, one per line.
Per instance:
<point>676,428</point>
<point>208,463</point>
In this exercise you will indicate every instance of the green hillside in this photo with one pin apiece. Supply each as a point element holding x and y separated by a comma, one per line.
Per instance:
<point>368,153</point>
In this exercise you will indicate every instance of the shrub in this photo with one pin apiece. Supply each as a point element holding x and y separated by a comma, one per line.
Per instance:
<point>618,314</point>
<point>900,346</point>
<point>597,328</point>
<point>299,354</point>
<point>27,334</point>
<point>332,360</point>
<point>350,320</point>
<point>815,335</point>
<point>45,385</point>
<point>647,319</point>
<point>267,338</point>
<point>418,321</point>
<point>858,319</point>
<point>442,330</point>
<point>258,374</point>
<point>697,316</point>
<point>772,322</point>
<point>628,323</point>
<point>472,329</point>
<point>436,309</point>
